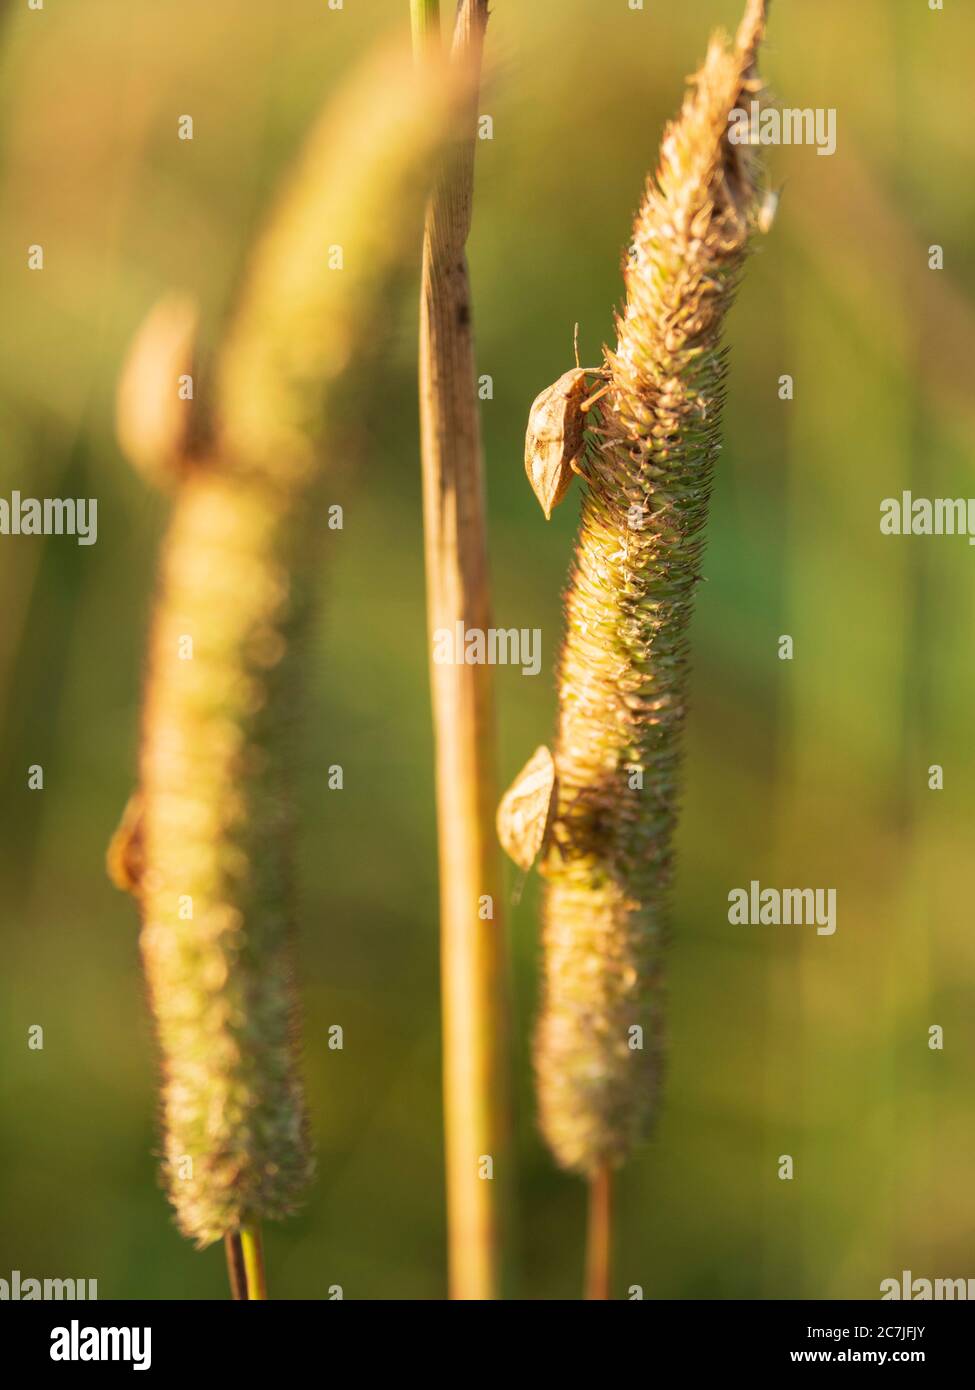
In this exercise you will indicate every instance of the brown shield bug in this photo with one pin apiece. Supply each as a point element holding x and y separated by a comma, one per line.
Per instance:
<point>125,852</point>
<point>527,809</point>
<point>556,430</point>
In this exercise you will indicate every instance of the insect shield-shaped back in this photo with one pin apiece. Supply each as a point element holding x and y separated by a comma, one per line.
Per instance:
<point>156,419</point>
<point>527,809</point>
<point>556,426</point>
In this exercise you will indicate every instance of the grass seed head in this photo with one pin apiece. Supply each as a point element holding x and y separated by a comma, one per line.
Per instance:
<point>229,638</point>
<point>624,661</point>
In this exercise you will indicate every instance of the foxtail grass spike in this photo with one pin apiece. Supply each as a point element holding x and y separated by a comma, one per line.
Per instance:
<point>623,670</point>
<point>207,843</point>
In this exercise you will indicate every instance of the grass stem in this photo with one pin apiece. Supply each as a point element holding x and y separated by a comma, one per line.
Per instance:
<point>599,1235</point>
<point>252,1248</point>
<point>425,26</point>
<point>235,1266</point>
<point>473,949</point>
<point>245,1264</point>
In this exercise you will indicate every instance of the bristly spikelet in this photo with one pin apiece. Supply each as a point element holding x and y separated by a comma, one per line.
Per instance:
<point>207,846</point>
<point>218,917</point>
<point>624,661</point>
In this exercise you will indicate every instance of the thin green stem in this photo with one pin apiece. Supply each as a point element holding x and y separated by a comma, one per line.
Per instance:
<point>425,27</point>
<point>252,1249</point>
<point>245,1264</point>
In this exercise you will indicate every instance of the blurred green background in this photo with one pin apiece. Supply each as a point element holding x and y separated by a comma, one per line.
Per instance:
<point>809,773</point>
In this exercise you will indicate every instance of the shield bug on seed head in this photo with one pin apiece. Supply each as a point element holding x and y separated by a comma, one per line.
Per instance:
<point>157,420</point>
<point>554,442</point>
<point>124,860</point>
<point>527,809</point>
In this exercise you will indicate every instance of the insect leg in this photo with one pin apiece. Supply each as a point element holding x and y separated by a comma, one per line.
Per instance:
<point>593,399</point>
